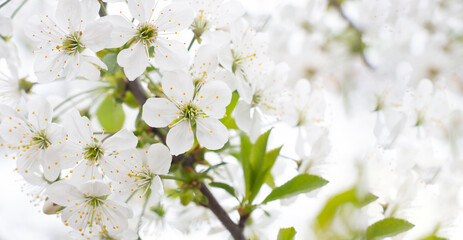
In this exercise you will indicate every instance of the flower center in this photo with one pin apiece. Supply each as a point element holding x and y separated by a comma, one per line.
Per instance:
<point>40,140</point>
<point>72,44</point>
<point>146,33</point>
<point>190,111</point>
<point>93,152</point>
<point>200,24</point>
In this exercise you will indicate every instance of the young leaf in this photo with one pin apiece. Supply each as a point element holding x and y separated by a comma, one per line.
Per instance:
<point>263,171</point>
<point>300,184</point>
<point>228,121</point>
<point>286,233</point>
<point>110,114</point>
<point>433,237</point>
<point>225,187</point>
<point>110,59</point>
<point>388,227</point>
<point>326,216</point>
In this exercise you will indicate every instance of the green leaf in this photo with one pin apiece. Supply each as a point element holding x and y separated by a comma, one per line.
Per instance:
<point>263,171</point>
<point>300,184</point>
<point>433,237</point>
<point>269,181</point>
<point>388,227</point>
<point>228,121</point>
<point>110,114</point>
<point>326,216</point>
<point>246,148</point>
<point>224,186</point>
<point>286,233</point>
<point>110,59</point>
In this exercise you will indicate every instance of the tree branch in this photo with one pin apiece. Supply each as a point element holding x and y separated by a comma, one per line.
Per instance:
<point>337,5</point>
<point>222,215</point>
<point>236,231</point>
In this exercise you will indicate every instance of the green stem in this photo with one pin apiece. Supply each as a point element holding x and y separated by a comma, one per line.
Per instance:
<point>17,9</point>
<point>191,43</point>
<point>130,197</point>
<point>3,4</point>
<point>103,8</point>
<point>147,197</point>
<point>172,178</point>
<point>77,95</point>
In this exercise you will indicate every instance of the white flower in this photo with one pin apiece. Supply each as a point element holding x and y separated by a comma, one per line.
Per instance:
<point>10,94</point>
<point>141,174</point>
<point>88,209</point>
<point>32,138</point>
<point>206,68</point>
<point>213,14</point>
<point>186,106</point>
<point>266,98</point>
<point>245,56</point>
<point>91,156</point>
<point>151,34</point>
<point>68,45</point>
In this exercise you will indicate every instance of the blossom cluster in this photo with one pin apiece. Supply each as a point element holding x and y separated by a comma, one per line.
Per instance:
<point>122,115</point>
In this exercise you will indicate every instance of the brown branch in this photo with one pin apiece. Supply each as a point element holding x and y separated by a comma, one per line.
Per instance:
<point>338,7</point>
<point>236,231</point>
<point>222,215</point>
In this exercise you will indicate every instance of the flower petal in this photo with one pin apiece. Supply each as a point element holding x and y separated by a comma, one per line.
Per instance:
<point>174,17</point>
<point>180,138</point>
<point>63,193</point>
<point>170,55</point>
<point>95,35</point>
<point>213,98</point>
<point>159,112</point>
<point>141,10</point>
<point>134,60</point>
<point>69,14</point>
<point>77,127</point>
<point>159,158</point>
<point>178,86</point>
<point>211,133</point>
<point>122,140</point>
<point>95,188</point>
<point>122,30</point>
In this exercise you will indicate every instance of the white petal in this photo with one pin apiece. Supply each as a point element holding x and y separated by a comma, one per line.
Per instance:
<point>159,112</point>
<point>95,35</point>
<point>6,26</point>
<point>122,140</point>
<point>211,133</point>
<point>175,17</point>
<point>134,60</point>
<point>228,13</point>
<point>63,193</point>
<point>86,171</point>
<point>69,14</point>
<point>157,189</point>
<point>95,188</point>
<point>122,30</point>
<point>170,55</point>
<point>77,127</point>
<point>213,98</point>
<point>141,10</point>
<point>58,157</point>
<point>180,138</point>
<point>242,115</point>
<point>90,10</point>
<point>159,158</point>
<point>206,60</point>
<point>40,112</point>
<point>178,86</point>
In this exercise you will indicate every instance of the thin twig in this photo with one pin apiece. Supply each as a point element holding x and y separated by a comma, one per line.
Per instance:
<point>356,29</point>
<point>17,9</point>
<point>4,3</point>
<point>222,215</point>
<point>191,43</point>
